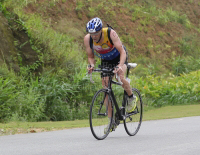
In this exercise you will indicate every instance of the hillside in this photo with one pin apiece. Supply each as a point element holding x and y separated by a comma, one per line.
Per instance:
<point>49,60</point>
<point>152,30</point>
<point>139,23</point>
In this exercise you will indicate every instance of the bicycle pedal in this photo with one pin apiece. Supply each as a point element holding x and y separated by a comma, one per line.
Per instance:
<point>124,117</point>
<point>114,126</point>
<point>121,108</point>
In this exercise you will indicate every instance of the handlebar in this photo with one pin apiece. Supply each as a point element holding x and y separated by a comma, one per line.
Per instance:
<point>105,70</point>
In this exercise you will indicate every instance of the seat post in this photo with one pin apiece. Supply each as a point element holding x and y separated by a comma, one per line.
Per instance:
<point>128,68</point>
<point>109,82</point>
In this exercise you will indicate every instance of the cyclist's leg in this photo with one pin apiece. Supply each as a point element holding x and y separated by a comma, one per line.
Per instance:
<point>126,84</point>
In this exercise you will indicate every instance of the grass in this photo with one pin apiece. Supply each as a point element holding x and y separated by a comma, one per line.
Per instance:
<point>161,34</point>
<point>61,51</point>
<point>40,31</point>
<point>167,112</point>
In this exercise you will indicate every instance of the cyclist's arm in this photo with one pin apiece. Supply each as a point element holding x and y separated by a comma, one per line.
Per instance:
<point>118,45</point>
<point>89,50</point>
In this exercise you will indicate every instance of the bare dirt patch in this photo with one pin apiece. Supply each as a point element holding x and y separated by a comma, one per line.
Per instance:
<point>65,19</point>
<point>190,8</point>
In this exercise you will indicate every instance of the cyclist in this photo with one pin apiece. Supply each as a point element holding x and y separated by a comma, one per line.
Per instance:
<point>106,42</point>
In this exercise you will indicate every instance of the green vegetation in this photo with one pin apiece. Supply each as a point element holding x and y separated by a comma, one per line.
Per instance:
<point>55,87</point>
<point>159,91</point>
<point>161,34</point>
<point>153,114</point>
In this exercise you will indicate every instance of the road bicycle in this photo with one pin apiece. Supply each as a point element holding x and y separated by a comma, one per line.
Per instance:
<point>104,99</point>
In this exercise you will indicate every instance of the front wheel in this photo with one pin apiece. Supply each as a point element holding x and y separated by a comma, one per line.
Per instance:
<point>133,119</point>
<point>101,114</point>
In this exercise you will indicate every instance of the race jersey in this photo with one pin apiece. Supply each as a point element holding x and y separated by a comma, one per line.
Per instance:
<point>106,50</point>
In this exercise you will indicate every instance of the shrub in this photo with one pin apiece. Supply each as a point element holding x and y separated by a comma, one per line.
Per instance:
<point>159,91</point>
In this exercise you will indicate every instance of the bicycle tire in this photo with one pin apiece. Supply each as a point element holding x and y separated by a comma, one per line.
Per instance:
<point>133,120</point>
<point>99,115</point>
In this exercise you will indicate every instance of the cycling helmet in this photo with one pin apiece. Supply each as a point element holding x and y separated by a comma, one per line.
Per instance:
<point>94,25</point>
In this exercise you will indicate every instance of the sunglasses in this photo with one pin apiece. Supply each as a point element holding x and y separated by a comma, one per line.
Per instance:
<point>94,34</point>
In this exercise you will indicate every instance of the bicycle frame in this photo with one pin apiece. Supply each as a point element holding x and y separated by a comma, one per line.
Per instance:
<point>121,113</point>
<point>104,105</point>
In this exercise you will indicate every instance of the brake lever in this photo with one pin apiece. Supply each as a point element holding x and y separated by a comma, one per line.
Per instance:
<point>118,78</point>
<point>90,74</point>
<point>91,78</point>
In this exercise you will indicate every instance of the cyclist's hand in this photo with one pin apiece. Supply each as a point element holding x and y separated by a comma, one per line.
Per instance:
<point>118,69</point>
<point>90,68</point>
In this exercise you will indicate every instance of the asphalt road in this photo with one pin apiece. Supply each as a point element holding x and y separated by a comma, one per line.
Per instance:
<point>179,136</point>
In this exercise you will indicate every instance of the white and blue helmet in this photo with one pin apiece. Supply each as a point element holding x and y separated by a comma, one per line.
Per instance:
<point>94,25</point>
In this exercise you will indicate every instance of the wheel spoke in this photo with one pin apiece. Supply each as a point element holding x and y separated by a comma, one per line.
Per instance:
<point>99,121</point>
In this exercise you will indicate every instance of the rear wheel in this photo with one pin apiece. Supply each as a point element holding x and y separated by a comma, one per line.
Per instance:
<point>133,119</point>
<point>100,119</point>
